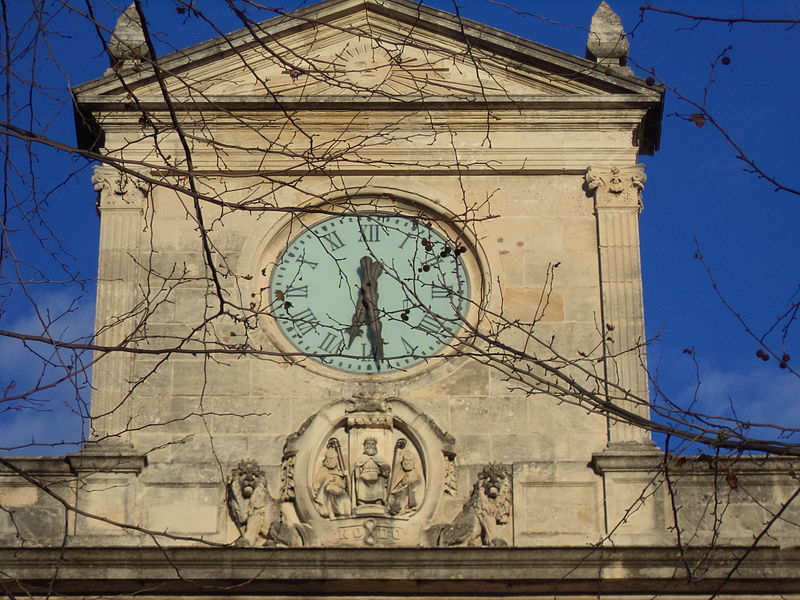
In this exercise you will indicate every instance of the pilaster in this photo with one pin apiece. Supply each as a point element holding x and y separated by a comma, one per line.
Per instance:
<point>617,195</point>
<point>105,491</point>
<point>121,203</point>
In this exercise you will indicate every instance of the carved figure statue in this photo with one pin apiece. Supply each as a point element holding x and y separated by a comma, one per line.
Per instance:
<point>488,506</point>
<point>330,489</point>
<point>256,513</point>
<point>371,475</point>
<point>406,479</point>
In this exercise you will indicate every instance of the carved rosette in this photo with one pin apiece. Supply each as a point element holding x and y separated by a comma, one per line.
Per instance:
<point>369,472</point>
<point>617,187</point>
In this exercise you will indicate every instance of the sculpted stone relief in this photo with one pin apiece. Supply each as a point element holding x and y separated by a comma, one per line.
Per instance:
<point>287,480</point>
<point>407,481</point>
<point>371,477</point>
<point>479,523</point>
<point>331,489</point>
<point>378,487</point>
<point>258,515</point>
<point>369,472</point>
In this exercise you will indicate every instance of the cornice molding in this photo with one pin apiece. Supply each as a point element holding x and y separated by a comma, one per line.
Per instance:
<point>610,461</point>
<point>473,571</point>
<point>346,102</point>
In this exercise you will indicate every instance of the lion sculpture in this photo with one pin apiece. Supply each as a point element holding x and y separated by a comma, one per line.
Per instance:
<point>257,514</point>
<point>488,506</point>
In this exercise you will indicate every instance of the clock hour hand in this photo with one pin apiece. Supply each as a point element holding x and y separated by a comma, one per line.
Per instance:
<point>370,271</point>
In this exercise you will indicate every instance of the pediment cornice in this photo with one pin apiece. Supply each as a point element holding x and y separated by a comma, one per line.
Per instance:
<point>393,55</point>
<point>345,31</point>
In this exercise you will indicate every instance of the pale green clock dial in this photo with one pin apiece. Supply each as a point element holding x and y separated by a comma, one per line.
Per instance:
<point>370,293</point>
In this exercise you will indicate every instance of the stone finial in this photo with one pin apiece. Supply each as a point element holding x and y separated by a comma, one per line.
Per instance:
<point>607,44</point>
<point>127,44</point>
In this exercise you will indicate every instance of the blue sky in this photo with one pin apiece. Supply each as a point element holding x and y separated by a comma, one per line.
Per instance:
<point>697,194</point>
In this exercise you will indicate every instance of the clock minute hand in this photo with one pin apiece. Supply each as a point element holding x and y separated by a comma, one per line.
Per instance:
<point>355,324</point>
<point>367,297</point>
<point>370,271</point>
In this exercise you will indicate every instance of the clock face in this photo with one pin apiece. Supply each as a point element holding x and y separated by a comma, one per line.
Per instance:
<point>370,293</point>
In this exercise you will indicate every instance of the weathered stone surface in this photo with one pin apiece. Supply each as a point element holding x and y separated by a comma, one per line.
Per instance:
<point>494,572</point>
<point>249,440</point>
<point>127,40</point>
<point>607,43</point>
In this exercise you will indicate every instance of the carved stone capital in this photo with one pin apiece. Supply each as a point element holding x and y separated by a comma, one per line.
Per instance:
<point>119,189</point>
<point>617,187</point>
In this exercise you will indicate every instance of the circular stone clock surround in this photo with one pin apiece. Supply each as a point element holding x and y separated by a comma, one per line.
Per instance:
<point>440,281</point>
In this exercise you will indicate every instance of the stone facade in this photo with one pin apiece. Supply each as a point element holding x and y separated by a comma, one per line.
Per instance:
<point>520,156</point>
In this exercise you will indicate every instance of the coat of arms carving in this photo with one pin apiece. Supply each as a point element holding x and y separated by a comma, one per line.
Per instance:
<point>369,472</point>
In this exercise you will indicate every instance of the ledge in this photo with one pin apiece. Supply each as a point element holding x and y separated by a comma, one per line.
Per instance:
<point>257,103</point>
<point>620,460</point>
<point>112,459</point>
<point>471,571</point>
<point>116,459</point>
<point>35,465</point>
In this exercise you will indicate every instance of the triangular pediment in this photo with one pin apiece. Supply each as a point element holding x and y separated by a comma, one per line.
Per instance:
<point>390,49</point>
